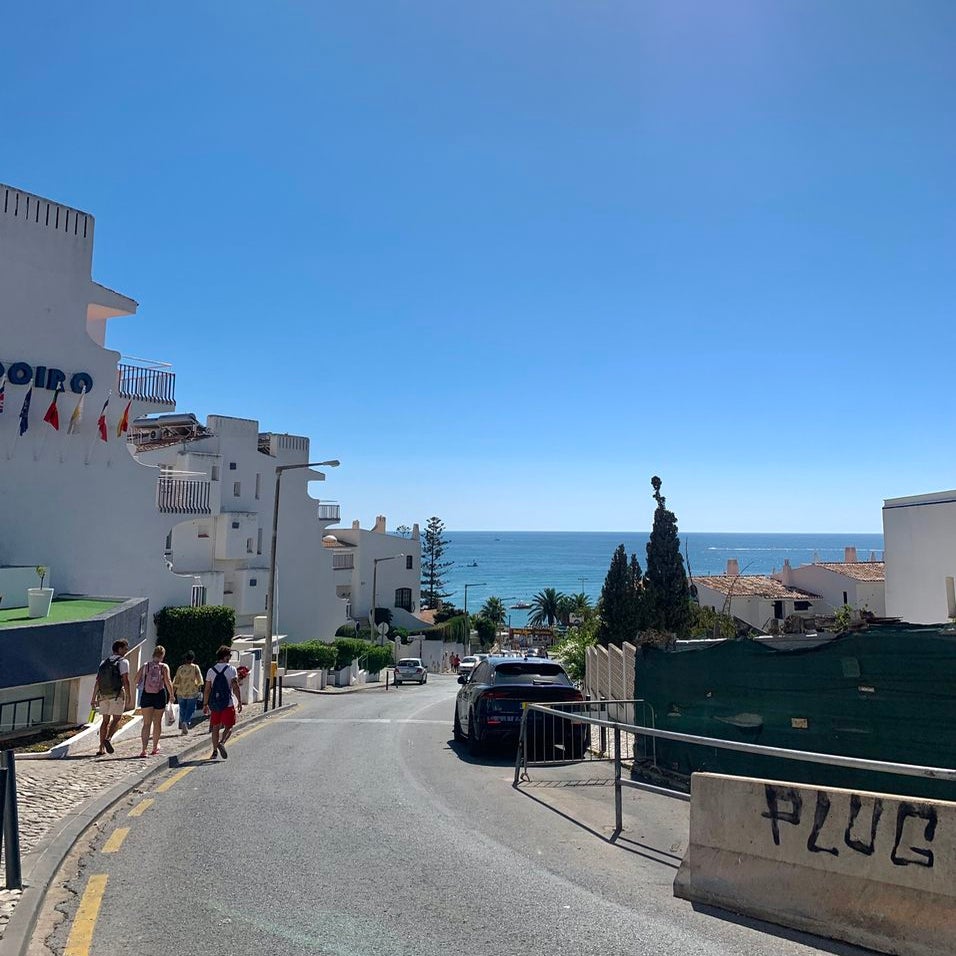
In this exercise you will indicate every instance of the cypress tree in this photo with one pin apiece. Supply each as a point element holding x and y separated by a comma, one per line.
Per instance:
<point>621,600</point>
<point>666,589</point>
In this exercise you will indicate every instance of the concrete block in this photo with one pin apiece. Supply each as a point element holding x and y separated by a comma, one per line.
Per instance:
<point>872,869</point>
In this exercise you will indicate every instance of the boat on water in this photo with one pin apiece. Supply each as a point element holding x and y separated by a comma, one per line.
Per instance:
<point>520,605</point>
<point>474,564</point>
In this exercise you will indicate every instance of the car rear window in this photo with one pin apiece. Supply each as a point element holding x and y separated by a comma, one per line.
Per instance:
<point>410,662</point>
<point>524,672</point>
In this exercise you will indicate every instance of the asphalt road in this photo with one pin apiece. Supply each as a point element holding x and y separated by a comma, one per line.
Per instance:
<point>354,826</point>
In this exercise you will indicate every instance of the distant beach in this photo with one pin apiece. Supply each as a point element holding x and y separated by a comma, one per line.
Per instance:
<point>516,565</point>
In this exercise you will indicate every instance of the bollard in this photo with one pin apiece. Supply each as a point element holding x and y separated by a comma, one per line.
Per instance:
<point>11,824</point>
<point>265,697</point>
<point>275,690</point>
<point>618,823</point>
<point>280,691</point>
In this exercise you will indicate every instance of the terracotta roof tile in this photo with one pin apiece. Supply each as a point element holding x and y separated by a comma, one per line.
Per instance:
<point>858,570</point>
<point>754,585</point>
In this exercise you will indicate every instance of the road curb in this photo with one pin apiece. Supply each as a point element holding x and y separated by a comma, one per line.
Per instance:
<point>42,863</point>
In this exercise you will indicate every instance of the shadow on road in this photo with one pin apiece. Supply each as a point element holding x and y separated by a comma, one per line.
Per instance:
<point>495,755</point>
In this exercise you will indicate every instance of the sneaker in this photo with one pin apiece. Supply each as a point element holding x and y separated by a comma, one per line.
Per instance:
<point>108,746</point>
<point>185,731</point>
<point>222,751</point>
<point>214,755</point>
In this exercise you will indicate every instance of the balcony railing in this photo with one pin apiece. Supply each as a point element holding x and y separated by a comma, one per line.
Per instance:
<point>343,562</point>
<point>328,512</point>
<point>147,383</point>
<point>183,496</point>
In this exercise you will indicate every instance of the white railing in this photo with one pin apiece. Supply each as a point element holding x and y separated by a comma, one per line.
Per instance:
<point>182,496</point>
<point>343,562</point>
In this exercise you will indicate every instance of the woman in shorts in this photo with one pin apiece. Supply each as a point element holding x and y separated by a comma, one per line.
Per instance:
<point>156,692</point>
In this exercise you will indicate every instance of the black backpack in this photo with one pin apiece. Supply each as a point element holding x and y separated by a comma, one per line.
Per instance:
<point>110,680</point>
<point>221,696</point>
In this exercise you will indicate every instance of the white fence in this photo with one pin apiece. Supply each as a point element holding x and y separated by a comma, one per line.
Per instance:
<point>609,673</point>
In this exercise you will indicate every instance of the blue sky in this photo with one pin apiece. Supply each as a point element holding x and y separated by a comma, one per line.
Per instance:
<point>507,261</point>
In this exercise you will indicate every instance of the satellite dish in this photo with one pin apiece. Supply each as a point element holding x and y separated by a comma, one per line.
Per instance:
<point>382,629</point>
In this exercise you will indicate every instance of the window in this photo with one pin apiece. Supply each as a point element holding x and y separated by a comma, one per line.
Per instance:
<point>403,598</point>
<point>232,466</point>
<point>248,545</point>
<point>409,562</point>
<point>259,541</point>
<point>253,582</point>
<point>202,531</point>
<point>235,525</point>
<point>845,601</point>
<point>169,541</point>
<point>236,489</point>
<point>531,672</point>
<point>258,484</point>
<point>215,473</point>
<point>481,674</point>
<point>801,605</point>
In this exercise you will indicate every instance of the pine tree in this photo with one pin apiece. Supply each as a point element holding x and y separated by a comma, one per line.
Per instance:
<point>621,599</point>
<point>433,567</point>
<point>667,592</point>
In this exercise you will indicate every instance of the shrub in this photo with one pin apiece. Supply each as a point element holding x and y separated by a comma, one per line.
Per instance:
<point>378,657</point>
<point>349,649</point>
<point>310,655</point>
<point>487,631</point>
<point>198,629</point>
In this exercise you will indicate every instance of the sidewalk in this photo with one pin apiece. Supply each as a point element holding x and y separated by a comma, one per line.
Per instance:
<point>51,791</point>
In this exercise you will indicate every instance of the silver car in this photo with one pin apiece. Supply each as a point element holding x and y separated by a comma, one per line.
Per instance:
<point>410,669</point>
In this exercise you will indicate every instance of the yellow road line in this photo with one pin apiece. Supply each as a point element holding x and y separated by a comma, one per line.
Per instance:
<point>140,808</point>
<point>116,840</point>
<point>175,778</point>
<point>81,934</point>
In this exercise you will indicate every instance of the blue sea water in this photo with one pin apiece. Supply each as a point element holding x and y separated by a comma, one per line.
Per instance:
<point>516,565</point>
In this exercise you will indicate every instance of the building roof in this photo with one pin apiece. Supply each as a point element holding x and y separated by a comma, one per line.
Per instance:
<point>858,570</point>
<point>754,585</point>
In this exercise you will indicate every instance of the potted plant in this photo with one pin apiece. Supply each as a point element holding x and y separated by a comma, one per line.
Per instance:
<point>39,599</point>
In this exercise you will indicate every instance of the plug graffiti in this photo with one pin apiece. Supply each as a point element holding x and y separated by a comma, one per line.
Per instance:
<point>785,805</point>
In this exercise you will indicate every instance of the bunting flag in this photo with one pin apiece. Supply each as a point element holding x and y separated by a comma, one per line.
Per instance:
<point>101,421</point>
<point>3,390</point>
<point>123,424</point>
<point>52,416</point>
<point>77,415</point>
<point>25,411</point>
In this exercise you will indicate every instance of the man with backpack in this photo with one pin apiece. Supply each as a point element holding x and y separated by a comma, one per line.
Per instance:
<point>222,683</point>
<point>111,694</point>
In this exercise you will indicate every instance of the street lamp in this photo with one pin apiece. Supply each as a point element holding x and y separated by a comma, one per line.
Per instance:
<point>270,622</point>
<point>467,624</point>
<point>371,613</point>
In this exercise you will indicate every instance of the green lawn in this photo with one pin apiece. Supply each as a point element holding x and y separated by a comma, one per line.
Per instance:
<point>66,610</point>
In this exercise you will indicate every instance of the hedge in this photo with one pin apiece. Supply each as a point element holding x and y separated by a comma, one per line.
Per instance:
<point>201,630</point>
<point>310,655</point>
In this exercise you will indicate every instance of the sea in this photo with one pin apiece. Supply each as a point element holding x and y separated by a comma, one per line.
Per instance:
<point>516,565</point>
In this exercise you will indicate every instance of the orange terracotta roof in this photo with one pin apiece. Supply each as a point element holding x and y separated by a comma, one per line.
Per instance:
<point>754,585</point>
<point>858,570</point>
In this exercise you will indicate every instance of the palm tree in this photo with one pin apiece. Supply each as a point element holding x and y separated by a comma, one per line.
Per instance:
<point>545,606</point>
<point>494,610</point>
<point>578,605</point>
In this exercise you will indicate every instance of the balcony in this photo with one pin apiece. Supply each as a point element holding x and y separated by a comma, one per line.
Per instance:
<point>328,512</point>
<point>147,381</point>
<point>183,496</point>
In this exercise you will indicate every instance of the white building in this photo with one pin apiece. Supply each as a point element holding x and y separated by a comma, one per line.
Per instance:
<point>761,601</point>
<point>919,535</point>
<point>68,499</point>
<point>860,584</point>
<point>222,475</point>
<point>364,561</point>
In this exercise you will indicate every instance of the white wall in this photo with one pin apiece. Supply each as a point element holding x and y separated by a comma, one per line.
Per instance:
<point>831,584</point>
<point>919,534</point>
<point>72,502</point>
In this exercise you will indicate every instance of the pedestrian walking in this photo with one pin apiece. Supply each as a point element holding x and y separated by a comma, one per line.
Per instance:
<point>111,694</point>
<point>156,692</point>
<point>187,686</point>
<point>221,701</point>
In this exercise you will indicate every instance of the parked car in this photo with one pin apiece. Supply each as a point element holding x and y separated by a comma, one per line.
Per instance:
<point>410,669</point>
<point>490,702</point>
<point>466,665</point>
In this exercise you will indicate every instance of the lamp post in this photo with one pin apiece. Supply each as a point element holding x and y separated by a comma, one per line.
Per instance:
<point>270,617</point>
<point>371,613</point>
<point>467,622</point>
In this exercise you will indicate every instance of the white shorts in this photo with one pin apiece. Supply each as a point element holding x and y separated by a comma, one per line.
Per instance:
<point>112,706</point>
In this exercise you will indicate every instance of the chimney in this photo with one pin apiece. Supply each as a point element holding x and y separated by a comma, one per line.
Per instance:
<point>356,526</point>
<point>733,568</point>
<point>416,534</point>
<point>849,555</point>
<point>379,524</point>
<point>786,574</point>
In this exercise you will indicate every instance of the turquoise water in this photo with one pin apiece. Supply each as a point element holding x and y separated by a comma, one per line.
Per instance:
<point>516,565</point>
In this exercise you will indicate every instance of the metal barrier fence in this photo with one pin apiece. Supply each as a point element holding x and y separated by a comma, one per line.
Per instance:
<point>9,822</point>
<point>553,734</point>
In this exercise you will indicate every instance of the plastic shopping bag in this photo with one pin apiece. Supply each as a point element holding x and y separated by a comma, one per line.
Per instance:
<point>170,715</point>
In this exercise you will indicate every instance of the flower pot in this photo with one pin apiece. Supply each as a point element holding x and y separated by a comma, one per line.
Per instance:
<point>39,601</point>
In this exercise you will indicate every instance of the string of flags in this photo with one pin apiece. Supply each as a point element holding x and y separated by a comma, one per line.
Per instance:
<point>52,414</point>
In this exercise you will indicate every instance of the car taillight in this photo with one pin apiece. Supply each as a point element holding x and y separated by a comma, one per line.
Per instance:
<point>495,694</point>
